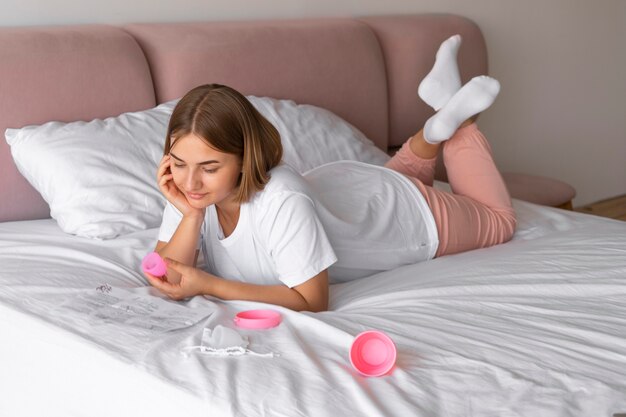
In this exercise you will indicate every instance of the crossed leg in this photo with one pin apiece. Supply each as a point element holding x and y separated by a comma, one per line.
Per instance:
<point>478,213</point>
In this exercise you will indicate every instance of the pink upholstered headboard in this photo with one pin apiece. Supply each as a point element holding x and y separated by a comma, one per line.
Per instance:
<point>365,70</point>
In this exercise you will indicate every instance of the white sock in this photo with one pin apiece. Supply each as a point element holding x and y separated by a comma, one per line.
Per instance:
<point>474,97</point>
<point>443,81</point>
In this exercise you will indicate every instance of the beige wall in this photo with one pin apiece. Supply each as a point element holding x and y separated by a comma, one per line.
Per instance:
<point>562,65</point>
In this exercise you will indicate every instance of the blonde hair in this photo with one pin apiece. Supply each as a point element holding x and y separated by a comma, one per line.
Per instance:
<point>229,123</point>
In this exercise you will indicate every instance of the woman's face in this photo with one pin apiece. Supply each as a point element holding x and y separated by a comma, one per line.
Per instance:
<point>204,175</point>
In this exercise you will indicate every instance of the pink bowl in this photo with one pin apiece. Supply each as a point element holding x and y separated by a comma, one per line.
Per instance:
<point>257,319</point>
<point>153,264</point>
<point>373,353</point>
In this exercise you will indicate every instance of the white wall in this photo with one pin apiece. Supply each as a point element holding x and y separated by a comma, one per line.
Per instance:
<point>562,65</point>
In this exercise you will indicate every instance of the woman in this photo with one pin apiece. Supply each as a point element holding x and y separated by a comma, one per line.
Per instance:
<point>269,234</point>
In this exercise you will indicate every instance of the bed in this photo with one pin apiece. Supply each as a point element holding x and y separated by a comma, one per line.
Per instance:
<point>533,327</point>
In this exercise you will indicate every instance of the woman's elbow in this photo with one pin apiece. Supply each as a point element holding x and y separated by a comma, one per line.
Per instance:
<point>316,307</point>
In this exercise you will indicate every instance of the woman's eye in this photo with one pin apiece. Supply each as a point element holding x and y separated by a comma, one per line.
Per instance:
<point>210,171</point>
<point>178,165</point>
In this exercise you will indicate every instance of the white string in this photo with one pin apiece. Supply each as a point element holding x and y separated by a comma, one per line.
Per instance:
<point>230,351</point>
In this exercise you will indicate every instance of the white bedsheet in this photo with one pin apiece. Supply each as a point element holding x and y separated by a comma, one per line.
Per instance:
<point>533,327</point>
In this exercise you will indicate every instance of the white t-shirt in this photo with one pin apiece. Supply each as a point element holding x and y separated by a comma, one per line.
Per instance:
<point>373,218</point>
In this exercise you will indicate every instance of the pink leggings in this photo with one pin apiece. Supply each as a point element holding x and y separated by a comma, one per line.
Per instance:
<point>479,213</point>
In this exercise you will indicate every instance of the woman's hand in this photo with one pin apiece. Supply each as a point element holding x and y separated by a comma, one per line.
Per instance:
<point>171,191</point>
<point>193,281</point>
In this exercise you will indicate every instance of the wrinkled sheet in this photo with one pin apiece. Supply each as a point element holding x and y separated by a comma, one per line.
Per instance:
<point>536,326</point>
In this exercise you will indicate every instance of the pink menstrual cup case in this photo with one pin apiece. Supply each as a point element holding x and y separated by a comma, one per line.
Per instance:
<point>373,353</point>
<point>153,264</point>
<point>257,319</point>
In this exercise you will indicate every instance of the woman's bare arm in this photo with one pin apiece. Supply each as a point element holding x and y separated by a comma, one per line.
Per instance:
<point>182,247</point>
<point>312,295</point>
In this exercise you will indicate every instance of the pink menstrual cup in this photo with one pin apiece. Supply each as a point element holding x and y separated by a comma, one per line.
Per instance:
<point>153,264</point>
<point>257,319</point>
<point>373,353</point>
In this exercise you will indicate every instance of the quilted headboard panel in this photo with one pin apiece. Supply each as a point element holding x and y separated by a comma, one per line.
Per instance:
<point>332,63</point>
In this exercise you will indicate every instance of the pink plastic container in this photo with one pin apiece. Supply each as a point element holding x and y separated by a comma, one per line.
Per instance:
<point>257,319</point>
<point>153,264</point>
<point>373,353</point>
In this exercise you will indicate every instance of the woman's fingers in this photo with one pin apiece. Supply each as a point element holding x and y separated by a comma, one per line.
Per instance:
<point>165,187</point>
<point>163,166</point>
<point>165,178</point>
<point>171,290</point>
<point>165,181</point>
<point>158,283</point>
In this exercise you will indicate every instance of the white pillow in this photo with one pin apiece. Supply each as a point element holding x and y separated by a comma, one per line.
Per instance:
<point>313,136</point>
<point>99,177</point>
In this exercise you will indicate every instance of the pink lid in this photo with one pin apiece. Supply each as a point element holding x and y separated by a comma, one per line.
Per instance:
<point>373,353</point>
<point>153,264</point>
<point>257,319</point>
